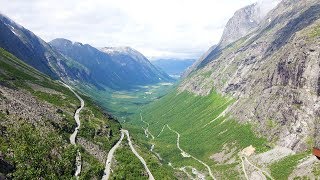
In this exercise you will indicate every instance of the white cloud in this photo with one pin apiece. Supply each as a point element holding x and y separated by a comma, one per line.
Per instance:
<point>163,28</point>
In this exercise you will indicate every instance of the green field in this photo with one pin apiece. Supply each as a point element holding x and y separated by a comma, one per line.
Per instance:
<point>123,104</point>
<point>196,118</point>
<point>190,116</point>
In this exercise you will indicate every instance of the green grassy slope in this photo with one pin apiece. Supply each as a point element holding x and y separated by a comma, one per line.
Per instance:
<point>126,164</point>
<point>42,149</point>
<point>189,115</point>
<point>124,103</point>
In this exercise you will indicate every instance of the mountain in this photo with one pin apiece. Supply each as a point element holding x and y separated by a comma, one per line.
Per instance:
<point>277,61</point>
<point>136,64</point>
<point>34,51</point>
<point>173,66</point>
<point>36,121</point>
<point>244,21</point>
<point>252,109</point>
<point>62,59</point>
<point>117,68</point>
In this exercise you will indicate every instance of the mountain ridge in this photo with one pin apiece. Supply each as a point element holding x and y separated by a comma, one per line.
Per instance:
<point>36,52</point>
<point>36,123</point>
<point>278,58</point>
<point>117,68</point>
<point>243,21</point>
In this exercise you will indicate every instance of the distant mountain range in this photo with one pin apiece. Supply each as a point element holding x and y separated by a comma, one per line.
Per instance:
<point>173,67</point>
<point>115,68</point>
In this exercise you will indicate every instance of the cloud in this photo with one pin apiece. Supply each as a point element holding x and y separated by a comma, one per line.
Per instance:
<point>163,28</point>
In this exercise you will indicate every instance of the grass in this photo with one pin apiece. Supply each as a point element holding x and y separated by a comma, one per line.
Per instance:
<point>42,149</point>
<point>97,127</point>
<point>122,104</point>
<point>35,156</point>
<point>188,114</point>
<point>315,32</point>
<point>283,168</point>
<point>316,170</point>
<point>55,99</point>
<point>91,168</point>
<point>127,165</point>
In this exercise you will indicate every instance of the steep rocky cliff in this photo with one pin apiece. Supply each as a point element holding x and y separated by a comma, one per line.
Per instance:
<point>273,73</point>
<point>244,21</point>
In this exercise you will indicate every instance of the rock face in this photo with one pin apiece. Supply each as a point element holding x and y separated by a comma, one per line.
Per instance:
<point>244,21</point>
<point>273,73</point>
<point>117,68</point>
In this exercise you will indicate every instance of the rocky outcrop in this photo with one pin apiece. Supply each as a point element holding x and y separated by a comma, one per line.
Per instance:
<point>93,149</point>
<point>273,73</point>
<point>23,105</point>
<point>5,167</point>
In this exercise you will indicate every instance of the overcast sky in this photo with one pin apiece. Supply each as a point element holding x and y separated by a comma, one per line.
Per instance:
<point>158,29</point>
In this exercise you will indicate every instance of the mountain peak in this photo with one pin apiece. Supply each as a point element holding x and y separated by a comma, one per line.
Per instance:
<point>119,49</point>
<point>125,50</point>
<point>64,42</point>
<point>245,20</point>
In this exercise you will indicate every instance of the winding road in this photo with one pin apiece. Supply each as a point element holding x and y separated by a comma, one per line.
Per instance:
<point>109,159</point>
<point>74,134</point>
<point>137,154</point>
<point>244,169</point>
<point>146,130</point>
<point>262,171</point>
<point>113,149</point>
<point>185,154</point>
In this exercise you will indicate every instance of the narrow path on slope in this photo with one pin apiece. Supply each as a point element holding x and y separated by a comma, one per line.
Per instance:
<point>263,171</point>
<point>138,156</point>
<point>183,169</point>
<point>146,130</point>
<point>74,134</point>
<point>161,130</point>
<point>110,156</point>
<point>185,154</point>
<point>244,169</point>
